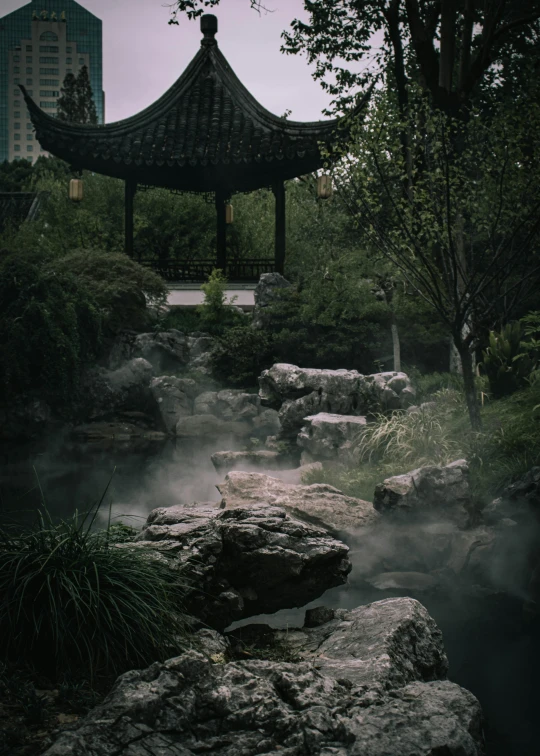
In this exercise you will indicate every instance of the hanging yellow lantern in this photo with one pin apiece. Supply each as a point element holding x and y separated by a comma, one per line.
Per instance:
<point>324,186</point>
<point>76,190</point>
<point>229,214</point>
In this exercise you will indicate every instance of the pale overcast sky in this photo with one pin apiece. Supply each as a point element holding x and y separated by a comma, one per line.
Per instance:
<point>143,55</point>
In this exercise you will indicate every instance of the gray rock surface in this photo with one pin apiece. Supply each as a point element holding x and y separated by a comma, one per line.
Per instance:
<point>440,491</point>
<point>380,646</point>
<point>327,436</point>
<point>225,461</point>
<point>189,705</point>
<point>411,582</point>
<point>200,353</point>
<point>107,392</point>
<point>245,561</point>
<point>174,399</point>
<point>165,351</point>
<point>318,503</point>
<point>299,392</point>
<point>266,293</point>
<point>206,425</point>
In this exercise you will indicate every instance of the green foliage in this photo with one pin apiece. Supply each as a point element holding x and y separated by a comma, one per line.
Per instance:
<point>241,354</point>
<point>505,372</point>
<point>71,600</point>
<point>76,102</point>
<point>122,288</point>
<point>215,313</point>
<point>50,326</point>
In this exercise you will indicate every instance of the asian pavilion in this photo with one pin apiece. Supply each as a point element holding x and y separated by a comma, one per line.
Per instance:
<point>206,134</point>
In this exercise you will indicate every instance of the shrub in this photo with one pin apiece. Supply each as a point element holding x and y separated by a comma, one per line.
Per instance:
<point>50,326</point>
<point>215,315</point>
<point>241,354</point>
<point>506,373</point>
<point>123,289</point>
<point>72,601</point>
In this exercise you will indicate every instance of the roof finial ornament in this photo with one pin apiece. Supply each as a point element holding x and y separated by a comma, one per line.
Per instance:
<point>209,29</point>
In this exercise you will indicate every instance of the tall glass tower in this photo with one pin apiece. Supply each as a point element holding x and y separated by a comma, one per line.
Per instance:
<point>39,44</point>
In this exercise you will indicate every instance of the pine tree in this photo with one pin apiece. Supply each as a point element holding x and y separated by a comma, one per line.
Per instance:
<point>76,103</point>
<point>68,105</point>
<point>85,98</point>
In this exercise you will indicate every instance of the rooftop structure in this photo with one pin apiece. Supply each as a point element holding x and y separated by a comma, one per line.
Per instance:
<point>206,134</point>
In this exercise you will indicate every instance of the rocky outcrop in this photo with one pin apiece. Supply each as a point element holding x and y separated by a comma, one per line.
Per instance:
<point>230,411</point>
<point>167,351</point>
<point>442,492</point>
<point>299,392</point>
<point>328,436</point>
<point>174,398</point>
<point>245,561</point>
<point>372,687</point>
<point>225,461</point>
<point>317,503</point>
<point>108,392</point>
<point>267,293</point>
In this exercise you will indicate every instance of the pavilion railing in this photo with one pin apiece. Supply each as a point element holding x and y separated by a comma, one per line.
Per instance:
<point>197,271</point>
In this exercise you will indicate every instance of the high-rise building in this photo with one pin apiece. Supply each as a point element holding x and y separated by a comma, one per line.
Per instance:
<point>39,44</point>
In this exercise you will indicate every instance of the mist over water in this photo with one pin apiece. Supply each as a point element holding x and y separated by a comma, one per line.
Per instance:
<point>493,648</point>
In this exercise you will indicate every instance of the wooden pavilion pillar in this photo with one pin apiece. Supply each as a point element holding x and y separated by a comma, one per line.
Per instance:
<point>129,194</point>
<point>280,238</point>
<point>221,199</point>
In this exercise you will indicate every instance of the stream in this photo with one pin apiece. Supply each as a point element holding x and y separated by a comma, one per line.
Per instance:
<point>492,648</point>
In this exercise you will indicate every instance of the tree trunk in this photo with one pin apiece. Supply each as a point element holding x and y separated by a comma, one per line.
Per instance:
<point>467,367</point>
<point>396,346</point>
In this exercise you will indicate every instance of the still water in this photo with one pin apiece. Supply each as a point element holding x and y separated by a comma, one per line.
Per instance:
<point>492,650</point>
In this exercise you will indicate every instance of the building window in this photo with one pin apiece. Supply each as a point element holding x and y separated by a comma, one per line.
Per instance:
<point>68,49</point>
<point>16,125</point>
<point>29,59</point>
<point>49,60</point>
<point>17,136</point>
<point>30,93</point>
<point>29,137</point>
<point>48,36</point>
<point>50,71</point>
<point>69,70</point>
<point>16,115</point>
<point>29,147</point>
<point>16,69</point>
<point>81,61</point>
<point>49,93</point>
<point>16,103</point>
<point>17,148</point>
<point>16,80</point>
<point>28,48</point>
<point>28,125</point>
<point>47,105</point>
<point>69,60</point>
<point>29,70</point>
<point>29,82</point>
<point>16,58</point>
<point>48,48</point>
<point>49,82</point>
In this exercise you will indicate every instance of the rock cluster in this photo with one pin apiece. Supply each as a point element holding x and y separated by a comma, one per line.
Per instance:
<point>244,561</point>
<point>373,686</point>
<point>300,392</point>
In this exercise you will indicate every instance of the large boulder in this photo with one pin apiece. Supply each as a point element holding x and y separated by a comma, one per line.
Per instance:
<point>245,561</point>
<point>107,392</point>
<point>327,436</point>
<point>377,694</point>
<point>174,399</point>
<point>266,293</point>
<point>380,646</point>
<point>201,347</point>
<point>317,503</point>
<point>299,392</point>
<point>440,491</point>
<point>167,351</point>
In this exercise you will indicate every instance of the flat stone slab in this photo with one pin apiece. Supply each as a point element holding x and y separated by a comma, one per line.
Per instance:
<point>317,503</point>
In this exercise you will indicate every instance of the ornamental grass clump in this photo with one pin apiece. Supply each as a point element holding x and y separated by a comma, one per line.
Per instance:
<point>73,600</point>
<point>422,437</point>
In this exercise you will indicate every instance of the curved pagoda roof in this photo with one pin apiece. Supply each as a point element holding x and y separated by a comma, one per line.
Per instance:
<point>206,133</point>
